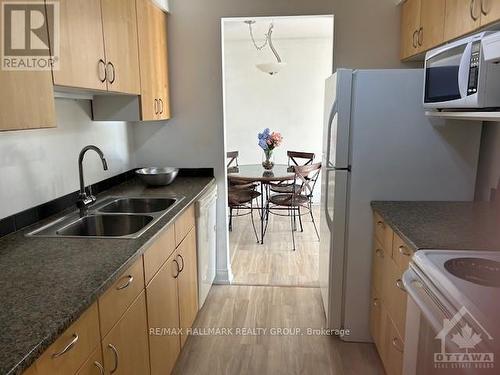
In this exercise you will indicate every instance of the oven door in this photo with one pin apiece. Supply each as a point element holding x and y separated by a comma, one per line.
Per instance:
<point>447,78</point>
<point>424,320</point>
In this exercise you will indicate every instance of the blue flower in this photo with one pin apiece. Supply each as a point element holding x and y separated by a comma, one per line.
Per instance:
<point>263,144</point>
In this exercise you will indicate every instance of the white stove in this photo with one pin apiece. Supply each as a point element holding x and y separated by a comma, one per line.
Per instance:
<point>453,312</point>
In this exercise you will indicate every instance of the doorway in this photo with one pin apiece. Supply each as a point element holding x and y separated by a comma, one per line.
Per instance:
<point>274,70</point>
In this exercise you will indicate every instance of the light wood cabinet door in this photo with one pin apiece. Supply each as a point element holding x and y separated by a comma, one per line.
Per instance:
<point>490,10</point>
<point>163,313</point>
<point>116,300</point>
<point>26,100</point>
<point>94,364</point>
<point>431,32</point>
<point>125,348</point>
<point>188,282</point>
<point>378,260</point>
<point>158,253</point>
<point>73,347</point>
<point>162,61</point>
<point>395,298</point>
<point>119,19</point>
<point>82,59</point>
<point>410,25</point>
<point>184,224</point>
<point>461,17</point>
<point>393,348</point>
<point>376,321</point>
<point>401,253</point>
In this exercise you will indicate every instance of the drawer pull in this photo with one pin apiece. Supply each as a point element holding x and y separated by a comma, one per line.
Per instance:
<point>379,253</point>
<point>182,259</point>
<point>101,62</point>
<point>115,353</point>
<point>380,223</point>
<point>100,367</point>
<point>130,278</point>
<point>485,6</point>
<point>375,302</point>
<point>68,347</point>
<point>177,268</point>
<point>400,285</point>
<point>403,250</point>
<point>395,343</point>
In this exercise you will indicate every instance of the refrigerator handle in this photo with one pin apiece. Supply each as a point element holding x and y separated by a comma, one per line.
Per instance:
<point>333,112</point>
<point>329,220</point>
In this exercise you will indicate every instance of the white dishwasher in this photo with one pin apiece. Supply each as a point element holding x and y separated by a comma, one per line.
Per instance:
<point>206,228</point>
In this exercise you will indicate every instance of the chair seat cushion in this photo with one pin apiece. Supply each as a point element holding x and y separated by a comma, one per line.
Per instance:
<point>284,188</point>
<point>288,200</point>
<point>238,197</point>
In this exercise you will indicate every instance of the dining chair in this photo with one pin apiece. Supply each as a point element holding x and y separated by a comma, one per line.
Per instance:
<point>305,178</point>
<point>295,159</point>
<point>241,196</point>
<point>232,157</point>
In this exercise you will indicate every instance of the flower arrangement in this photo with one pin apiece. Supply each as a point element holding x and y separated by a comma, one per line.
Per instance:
<point>268,142</point>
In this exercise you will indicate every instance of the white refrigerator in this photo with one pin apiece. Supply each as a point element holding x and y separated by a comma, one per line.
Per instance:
<point>379,145</point>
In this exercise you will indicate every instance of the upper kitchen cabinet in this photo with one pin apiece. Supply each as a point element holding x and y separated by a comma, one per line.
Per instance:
<point>98,46</point>
<point>82,61</point>
<point>422,26</point>
<point>490,11</point>
<point>462,17</point>
<point>119,20</point>
<point>152,32</point>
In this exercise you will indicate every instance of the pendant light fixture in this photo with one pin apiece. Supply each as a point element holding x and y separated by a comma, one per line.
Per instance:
<point>270,68</point>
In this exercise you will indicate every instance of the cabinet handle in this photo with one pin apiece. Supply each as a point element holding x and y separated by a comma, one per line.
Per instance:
<point>415,35</point>
<point>156,106</point>
<point>115,353</point>
<point>101,61</point>
<point>400,285</point>
<point>100,367</point>
<point>472,10</point>
<point>485,6</point>
<point>403,250</point>
<point>68,347</point>
<point>177,268</point>
<point>110,64</point>
<point>130,278</point>
<point>421,36</point>
<point>375,302</point>
<point>395,343</point>
<point>379,253</point>
<point>161,105</point>
<point>380,223</point>
<point>182,259</point>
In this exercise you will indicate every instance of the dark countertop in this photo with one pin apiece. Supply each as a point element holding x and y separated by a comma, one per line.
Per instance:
<point>47,283</point>
<point>443,225</point>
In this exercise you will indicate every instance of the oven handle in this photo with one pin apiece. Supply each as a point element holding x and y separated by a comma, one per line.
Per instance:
<point>417,292</point>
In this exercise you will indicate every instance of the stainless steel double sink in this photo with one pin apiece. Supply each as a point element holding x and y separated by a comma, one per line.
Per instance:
<point>114,217</point>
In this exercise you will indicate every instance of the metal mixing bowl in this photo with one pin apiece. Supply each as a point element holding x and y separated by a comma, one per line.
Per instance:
<point>157,176</point>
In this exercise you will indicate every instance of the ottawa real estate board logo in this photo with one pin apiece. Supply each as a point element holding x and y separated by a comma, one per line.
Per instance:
<point>30,35</point>
<point>464,343</point>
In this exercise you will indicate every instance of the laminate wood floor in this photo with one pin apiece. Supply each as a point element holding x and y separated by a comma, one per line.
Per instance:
<point>270,307</point>
<point>274,262</point>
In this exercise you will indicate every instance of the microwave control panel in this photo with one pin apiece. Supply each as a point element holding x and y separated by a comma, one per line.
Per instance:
<point>474,68</point>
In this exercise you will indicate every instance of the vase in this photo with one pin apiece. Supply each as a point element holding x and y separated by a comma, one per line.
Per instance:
<point>268,162</point>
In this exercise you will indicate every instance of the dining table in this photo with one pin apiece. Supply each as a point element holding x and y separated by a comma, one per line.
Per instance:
<point>264,177</point>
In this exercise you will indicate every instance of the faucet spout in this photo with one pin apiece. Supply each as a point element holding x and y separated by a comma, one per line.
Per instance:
<point>85,200</point>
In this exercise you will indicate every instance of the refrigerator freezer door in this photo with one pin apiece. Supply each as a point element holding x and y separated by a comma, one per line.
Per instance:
<point>333,223</point>
<point>337,119</point>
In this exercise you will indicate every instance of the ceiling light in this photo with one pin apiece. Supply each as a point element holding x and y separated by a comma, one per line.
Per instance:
<point>270,68</point>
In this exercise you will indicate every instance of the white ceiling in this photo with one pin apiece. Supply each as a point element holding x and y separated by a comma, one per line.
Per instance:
<point>284,28</point>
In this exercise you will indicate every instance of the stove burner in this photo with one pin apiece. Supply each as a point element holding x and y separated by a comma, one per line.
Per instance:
<point>479,271</point>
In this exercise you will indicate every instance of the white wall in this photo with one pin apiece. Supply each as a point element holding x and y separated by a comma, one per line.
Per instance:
<point>488,173</point>
<point>290,102</point>
<point>40,165</point>
<point>367,36</point>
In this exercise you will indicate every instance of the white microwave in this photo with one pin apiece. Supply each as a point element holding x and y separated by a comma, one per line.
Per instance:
<point>464,74</point>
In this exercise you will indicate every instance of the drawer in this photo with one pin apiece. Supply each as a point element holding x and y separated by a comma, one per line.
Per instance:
<point>93,365</point>
<point>115,301</point>
<point>401,253</point>
<point>383,232</point>
<point>184,224</point>
<point>396,297</point>
<point>158,253</point>
<point>378,256</point>
<point>75,345</point>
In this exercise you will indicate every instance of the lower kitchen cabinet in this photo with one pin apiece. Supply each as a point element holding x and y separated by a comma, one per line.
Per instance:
<point>163,314</point>
<point>188,283</point>
<point>125,348</point>
<point>388,306</point>
<point>94,365</point>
